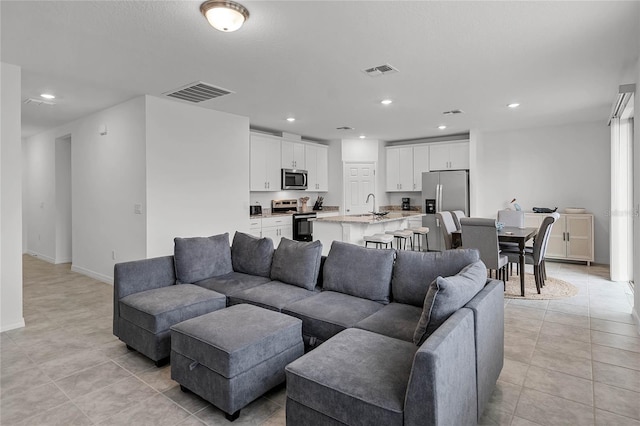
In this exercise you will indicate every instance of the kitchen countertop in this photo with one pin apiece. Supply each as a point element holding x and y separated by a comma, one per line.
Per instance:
<point>368,219</point>
<point>267,212</point>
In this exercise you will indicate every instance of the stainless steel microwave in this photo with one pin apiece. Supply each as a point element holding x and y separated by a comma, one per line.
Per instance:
<point>294,179</point>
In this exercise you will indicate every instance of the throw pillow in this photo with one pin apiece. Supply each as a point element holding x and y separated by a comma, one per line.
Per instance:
<point>251,255</point>
<point>446,295</point>
<point>199,258</point>
<point>297,263</point>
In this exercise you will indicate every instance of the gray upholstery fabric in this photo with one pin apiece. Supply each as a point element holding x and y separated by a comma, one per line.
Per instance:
<point>251,255</point>
<point>199,258</point>
<point>360,272</point>
<point>511,218</point>
<point>153,346</point>
<point>297,263</point>
<point>414,271</point>
<point>232,283</point>
<point>482,234</point>
<point>395,320</point>
<point>488,313</point>
<point>236,339</point>
<point>274,295</point>
<point>456,215</point>
<point>442,386</point>
<point>158,309</point>
<point>357,377</point>
<point>447,295</point>
<point>139,275</point>
<point>447,227</point>
<point>299,414</point>
<point>328,313</point>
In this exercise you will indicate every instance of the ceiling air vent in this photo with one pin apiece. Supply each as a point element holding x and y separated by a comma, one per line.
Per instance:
<point>38,102</point>
<point>380,70</point>
<point>197,92</point>
<point>453,111</point>
<point>344,128</point>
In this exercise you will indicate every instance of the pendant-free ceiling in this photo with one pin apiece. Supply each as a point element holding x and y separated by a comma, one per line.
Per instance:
<point>224,15</point>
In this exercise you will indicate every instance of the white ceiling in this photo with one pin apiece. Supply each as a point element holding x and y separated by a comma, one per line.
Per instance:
<point>562,61</point>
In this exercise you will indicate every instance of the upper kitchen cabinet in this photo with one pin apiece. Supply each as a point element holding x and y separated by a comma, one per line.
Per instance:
<point>399,169</point>
<point>449,156</point>
<point>420,165</point>
<point>264,163</point>
<point>293,155</point>
<point>317,163</point>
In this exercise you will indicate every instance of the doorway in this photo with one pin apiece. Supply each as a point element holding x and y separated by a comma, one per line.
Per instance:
<point>359,181</point>
<point>63,253</point>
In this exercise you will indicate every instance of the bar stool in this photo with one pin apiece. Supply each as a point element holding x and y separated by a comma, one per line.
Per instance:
<point>420,231</point>
<point>378,240</point>
<point>402,235</point>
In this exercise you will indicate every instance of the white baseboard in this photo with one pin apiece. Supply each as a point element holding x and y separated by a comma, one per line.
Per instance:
<point>636,317</point>
<point>41,256</point>
<point>12,326</point>
<point>100,277</point>
<point>66,260</point>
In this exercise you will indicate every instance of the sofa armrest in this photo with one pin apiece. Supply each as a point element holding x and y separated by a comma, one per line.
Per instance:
<point>442,385</point>
<point>140,275</point>
<point>488,313</point>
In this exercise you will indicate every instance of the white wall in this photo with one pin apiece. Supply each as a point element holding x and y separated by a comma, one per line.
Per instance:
<point>197,173</point>
<point>636,201</point>
<point>63,200</point>
<point>10,199</point>
<point>563,166</point>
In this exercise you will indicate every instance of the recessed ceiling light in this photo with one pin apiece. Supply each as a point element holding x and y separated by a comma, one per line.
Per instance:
<point>514,105</point>
<point>442,127</point>
<point>386,101</point>
<point>291,119</point>
<point>362,136</point>
<point>47,96</point>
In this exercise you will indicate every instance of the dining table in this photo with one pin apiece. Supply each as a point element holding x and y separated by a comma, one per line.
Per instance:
<point>508,234</point>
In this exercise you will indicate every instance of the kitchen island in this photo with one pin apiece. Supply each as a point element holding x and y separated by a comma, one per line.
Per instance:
<point>353,228</point>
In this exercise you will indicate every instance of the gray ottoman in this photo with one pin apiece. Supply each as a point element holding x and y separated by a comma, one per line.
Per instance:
<point>232,356</point>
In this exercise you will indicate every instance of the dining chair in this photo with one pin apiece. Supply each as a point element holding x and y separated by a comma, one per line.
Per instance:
<point>535,255</point>
<point>457,215</point>
<point>447,225</point>
<point>481,234</point>
<point>513,218</point>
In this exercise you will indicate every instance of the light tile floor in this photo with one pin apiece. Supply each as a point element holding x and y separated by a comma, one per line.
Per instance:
<point>573,361</point>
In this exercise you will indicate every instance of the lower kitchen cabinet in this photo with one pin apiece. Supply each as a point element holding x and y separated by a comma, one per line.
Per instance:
<point>571,236</point>
<point>272,227</point>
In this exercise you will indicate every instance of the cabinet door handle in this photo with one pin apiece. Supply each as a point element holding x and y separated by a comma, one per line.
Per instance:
<point>567,236</point>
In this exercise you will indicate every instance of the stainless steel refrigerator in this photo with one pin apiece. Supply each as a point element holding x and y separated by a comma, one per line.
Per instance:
<point>442,191</point>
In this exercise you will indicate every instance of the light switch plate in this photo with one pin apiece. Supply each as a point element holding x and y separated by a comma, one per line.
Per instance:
<point>137,208</point>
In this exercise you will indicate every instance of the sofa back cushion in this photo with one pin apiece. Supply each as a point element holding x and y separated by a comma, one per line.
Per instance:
<point>251,255</point>
<point>199,258</point>
<point>414,271</point>
<point>446,295</point>
<point>297,263</point>
<point>359,271</point>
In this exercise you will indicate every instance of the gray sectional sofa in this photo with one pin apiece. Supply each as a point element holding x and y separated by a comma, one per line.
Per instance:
<point>391,337</point>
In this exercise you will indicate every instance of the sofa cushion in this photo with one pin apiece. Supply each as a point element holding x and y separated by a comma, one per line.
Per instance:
<point>274,295</point>
<point>395,320</point>
<point>158,309</point>
<point>358,271</point>
<point>251,255</point>
<point>328,313</point>
<point>414,271</point>
<point>232,283</point>
<point>297,263</point>
<point>447,295</point>
<point>357,377</point>
<point>199,258</point>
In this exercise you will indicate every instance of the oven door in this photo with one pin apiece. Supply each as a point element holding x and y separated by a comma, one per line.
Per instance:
<point>303,227</point>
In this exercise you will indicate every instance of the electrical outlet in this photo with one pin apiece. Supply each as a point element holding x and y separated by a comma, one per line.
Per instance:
<point>113,254</point>
<point>137,208</point>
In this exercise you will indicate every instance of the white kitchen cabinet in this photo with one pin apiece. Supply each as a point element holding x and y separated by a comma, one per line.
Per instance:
<point>277,227</point>
<point>449,156</point>
<point>317,163</point>
<point>264,173</point>
<point>420,165</point>
<point>399,169</point>
<point>255,227</point>
<point>571,236</point>
<point>292,155</point>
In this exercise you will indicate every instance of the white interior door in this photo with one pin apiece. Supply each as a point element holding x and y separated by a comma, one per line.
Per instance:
<point>359,181</point>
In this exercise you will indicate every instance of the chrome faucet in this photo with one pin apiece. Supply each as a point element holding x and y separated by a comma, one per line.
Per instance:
<point>374,202</point>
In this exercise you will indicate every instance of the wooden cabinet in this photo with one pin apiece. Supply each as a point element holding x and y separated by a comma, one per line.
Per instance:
<point>292,156</point>
<point>571,236</point>
<point>317,163</point>
<point>449,156</point>
<point>276,228</point>
<point>400,169</point>
<point>420,165</point>
<point>264,173</point>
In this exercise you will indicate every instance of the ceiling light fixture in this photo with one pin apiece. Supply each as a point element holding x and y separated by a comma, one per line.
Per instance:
<point>386,101</point>
<point>291,119</point>
<point>442,127</point>
<point>47,96</point>
<point>514,105</point>
<point>224,15</point>
<point>362,136</point>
